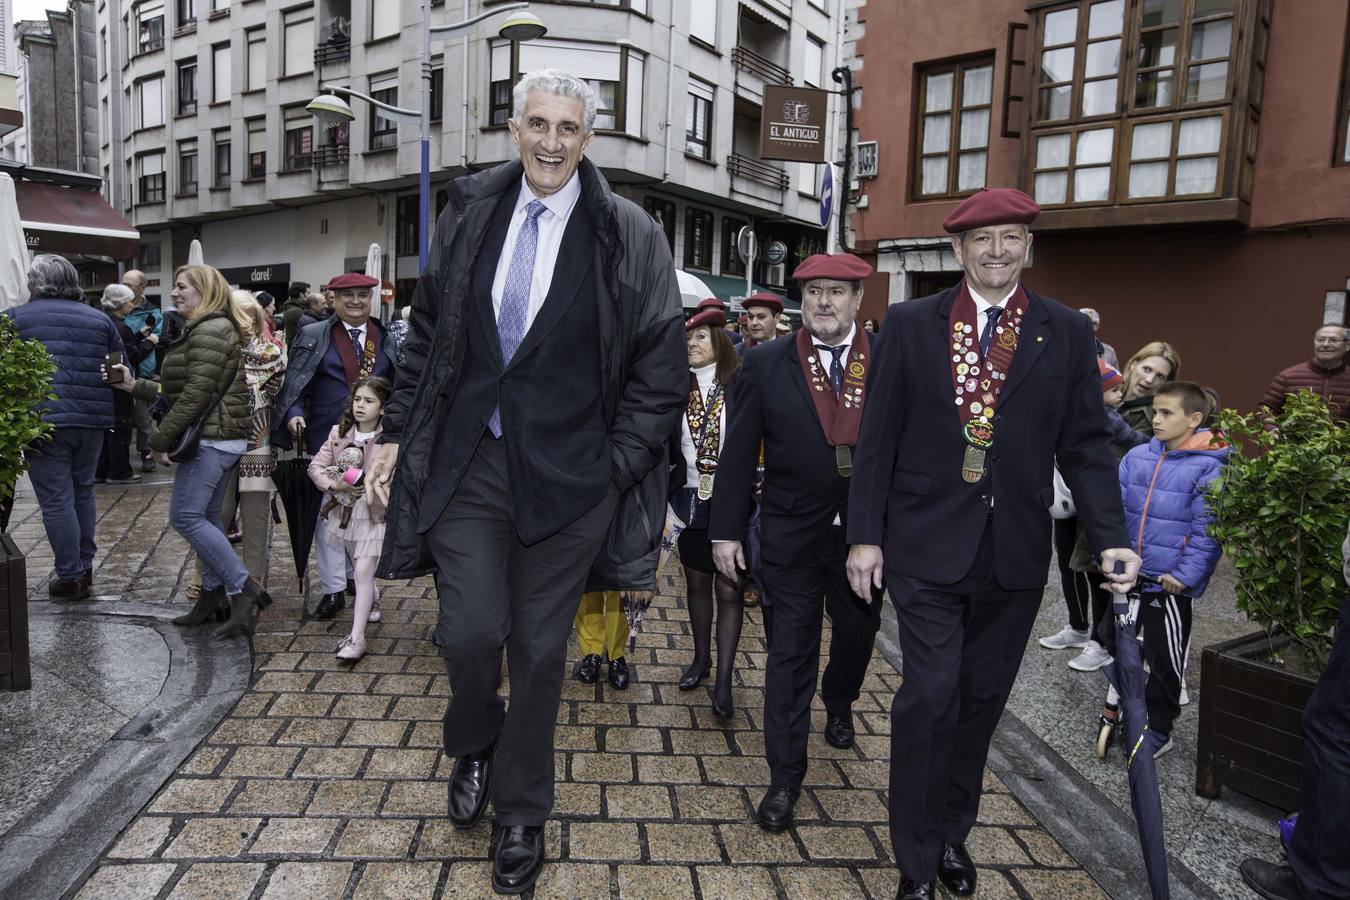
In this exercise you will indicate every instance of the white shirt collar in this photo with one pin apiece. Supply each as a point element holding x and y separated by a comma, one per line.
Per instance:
<point>982,304</point>
<point>560,202</point>
<point>361,328</point>
<point>846,342</point>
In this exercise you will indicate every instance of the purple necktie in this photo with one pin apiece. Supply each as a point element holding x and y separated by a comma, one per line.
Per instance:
<point>513,316</point>
<point>987,336</point>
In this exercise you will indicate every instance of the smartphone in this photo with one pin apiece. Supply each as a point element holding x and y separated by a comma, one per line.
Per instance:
<point>150,321</point>
<point>114,374</point>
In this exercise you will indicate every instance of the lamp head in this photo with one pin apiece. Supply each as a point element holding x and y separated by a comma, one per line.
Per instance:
<point>330,109</point>
<point>522,26</point>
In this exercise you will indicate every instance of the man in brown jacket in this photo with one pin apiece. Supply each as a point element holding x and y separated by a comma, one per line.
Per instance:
<point>1325,374</point>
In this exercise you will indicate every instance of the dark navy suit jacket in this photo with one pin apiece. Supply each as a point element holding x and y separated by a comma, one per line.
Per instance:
<point>318,389</point>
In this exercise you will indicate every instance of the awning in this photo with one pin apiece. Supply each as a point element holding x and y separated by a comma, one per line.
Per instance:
<point>72,220</point>
<point>727,288</point>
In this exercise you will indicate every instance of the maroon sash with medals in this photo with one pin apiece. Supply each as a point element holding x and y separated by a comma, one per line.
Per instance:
<point>840,417</point>
<point>979,381</point>
<point>705,422</point>
<point>347,352</point>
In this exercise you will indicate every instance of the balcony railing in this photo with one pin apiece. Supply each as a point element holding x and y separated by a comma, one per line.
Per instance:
<point>332,52</point>
<point>330,155</point>
<point>750,61</point>
<point>758,171</point>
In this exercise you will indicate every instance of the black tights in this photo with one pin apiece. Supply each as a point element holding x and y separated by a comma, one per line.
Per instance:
<point>702,586</point>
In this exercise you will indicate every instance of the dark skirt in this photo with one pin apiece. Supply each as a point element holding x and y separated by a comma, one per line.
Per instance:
<point>696,550</point>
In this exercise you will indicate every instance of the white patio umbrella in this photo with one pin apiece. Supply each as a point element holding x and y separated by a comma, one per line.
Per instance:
<point>374,262</point>
<point>13,249</point>
<point>692,289</point>
<point>195,254</point>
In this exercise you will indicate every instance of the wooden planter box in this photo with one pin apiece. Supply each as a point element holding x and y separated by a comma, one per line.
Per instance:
<point>15,673</point>
<point>1251,735</point>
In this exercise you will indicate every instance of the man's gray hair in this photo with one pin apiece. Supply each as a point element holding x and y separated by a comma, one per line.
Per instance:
<point>53,276</point>
<point>555,81</point>
<point>116,296</point>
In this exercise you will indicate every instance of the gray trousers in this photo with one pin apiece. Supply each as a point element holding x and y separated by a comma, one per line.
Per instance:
<point>497,594</point>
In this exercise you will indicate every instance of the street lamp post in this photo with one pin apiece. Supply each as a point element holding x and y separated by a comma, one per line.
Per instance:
<point>521,26</point>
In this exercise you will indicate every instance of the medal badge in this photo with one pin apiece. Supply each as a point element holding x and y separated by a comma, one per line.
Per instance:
<point>977,386</point>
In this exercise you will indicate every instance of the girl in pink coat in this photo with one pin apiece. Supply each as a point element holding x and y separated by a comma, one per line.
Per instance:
<point>356,519</point>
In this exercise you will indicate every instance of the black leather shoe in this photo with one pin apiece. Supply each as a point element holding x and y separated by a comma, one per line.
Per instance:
<point>955,870</point>
<point>588,670</point>
<point>88,577</point>
<point>329,605</point>
<point>839,731</point>
<point>915,890</point>
<point>469,786</point>
<point>68,589</point>
<point>694,675</point>
<point>775,810</point>
<point>618,674</point>
<point>1269,880</point>
<point>520,858</point>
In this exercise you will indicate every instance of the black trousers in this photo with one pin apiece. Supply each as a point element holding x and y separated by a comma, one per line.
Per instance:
<point>1317,852</point>
<point>1077,590</point>
<point>962,645</point>
<point>1165,620</point>
<point>800,595</point>
<point>498,594</point>
<point>115,461</point>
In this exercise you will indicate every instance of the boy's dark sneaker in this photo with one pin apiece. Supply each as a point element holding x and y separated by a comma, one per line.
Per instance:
<point>68,589</point>
<point>130,479</point>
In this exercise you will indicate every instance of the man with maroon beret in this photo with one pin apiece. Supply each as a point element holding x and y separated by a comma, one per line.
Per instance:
<point>762,310</point>
<point>801,400</point>
<point>978,393</point>
<point>326,359</point>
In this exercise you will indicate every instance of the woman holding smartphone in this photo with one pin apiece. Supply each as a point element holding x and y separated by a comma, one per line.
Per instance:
<point>114,465</point>
<point>204,380</point>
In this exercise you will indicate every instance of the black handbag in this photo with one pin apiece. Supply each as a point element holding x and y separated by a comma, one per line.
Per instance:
<point>189,442</point>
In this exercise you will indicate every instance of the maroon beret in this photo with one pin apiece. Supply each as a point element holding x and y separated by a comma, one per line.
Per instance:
<point>764,298</point>
<point>992,206</point>
<point>711,316</point>
<point>835,266</point>
<point>712,303</point>
<point>352,280</point>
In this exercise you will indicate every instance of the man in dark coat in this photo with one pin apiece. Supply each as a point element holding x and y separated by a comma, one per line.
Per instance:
<point>762,311</point>
<point>802,400</point>
<point>296,305</point>
<point>978,393</point>
<point>326,359</point>
<point>545,371</point>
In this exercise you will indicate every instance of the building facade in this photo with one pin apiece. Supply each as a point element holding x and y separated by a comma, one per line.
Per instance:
<point>59,90</point>
<point>1192,159</point>
<point>206,133</point>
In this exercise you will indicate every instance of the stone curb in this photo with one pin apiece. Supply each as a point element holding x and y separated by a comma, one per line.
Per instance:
<point>57,845</point>
<point>1092,829</point>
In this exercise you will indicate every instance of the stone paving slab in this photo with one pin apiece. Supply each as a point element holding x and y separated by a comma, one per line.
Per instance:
<point>327,780</point>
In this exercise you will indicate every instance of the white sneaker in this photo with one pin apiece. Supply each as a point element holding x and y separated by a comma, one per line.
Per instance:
<point>1185,696</point>
<point>1093,657</point>
<point>1065,638</point>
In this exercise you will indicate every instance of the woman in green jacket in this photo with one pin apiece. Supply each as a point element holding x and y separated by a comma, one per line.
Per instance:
<point>203,365</point>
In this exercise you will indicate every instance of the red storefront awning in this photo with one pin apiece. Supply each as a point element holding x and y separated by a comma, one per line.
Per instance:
<point>72,220</point>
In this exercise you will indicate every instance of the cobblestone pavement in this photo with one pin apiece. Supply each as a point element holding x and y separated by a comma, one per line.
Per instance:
<point>328,781</point>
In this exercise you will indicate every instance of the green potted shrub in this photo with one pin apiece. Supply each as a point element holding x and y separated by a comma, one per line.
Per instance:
<point>25,381</point>
<point>1280,508</point>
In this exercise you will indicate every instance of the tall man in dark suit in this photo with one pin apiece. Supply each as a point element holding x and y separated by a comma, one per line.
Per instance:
<point>803,399</point>
<point>978,392</point>
<point>545,371</point>
<point>326,359</point>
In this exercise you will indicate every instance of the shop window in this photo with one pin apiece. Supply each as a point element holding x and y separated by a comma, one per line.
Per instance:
<point>383,131</point>
<point>698,119</point>
<point>663,211</point>
<point>698,235</point>
<point>614,73</point>
<point>953,129</point>
<point>187,167</point>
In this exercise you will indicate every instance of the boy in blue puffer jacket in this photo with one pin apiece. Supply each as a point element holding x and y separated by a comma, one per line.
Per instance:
<point>1164,484</point>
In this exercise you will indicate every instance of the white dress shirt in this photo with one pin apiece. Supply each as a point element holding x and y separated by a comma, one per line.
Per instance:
<point>982,304</point>
<point>552,224</point>
<point>360,332</point>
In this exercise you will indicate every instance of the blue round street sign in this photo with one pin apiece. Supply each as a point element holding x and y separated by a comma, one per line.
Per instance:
<point>826,195</point>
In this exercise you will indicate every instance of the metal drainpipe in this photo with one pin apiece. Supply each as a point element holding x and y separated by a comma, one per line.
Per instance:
<point>464,95</point>
<point>79,92</point>
<point>670,95</point>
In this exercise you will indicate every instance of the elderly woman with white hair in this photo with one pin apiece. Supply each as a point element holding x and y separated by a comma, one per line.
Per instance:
<point>114,463</point>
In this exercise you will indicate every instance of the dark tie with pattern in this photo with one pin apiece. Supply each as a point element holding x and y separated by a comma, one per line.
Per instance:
<point>987,335</point>
<point>836,365</point>
<point>360,347</point>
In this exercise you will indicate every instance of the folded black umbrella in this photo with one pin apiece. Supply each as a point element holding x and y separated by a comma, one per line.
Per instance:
<point>1127,675</point>
<point>301,500</point>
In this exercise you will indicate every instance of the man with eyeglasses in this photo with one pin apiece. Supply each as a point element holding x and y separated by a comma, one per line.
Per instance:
<point>1325,374</point>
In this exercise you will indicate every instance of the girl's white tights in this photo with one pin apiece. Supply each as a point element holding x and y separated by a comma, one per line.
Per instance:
<point>364,576</point>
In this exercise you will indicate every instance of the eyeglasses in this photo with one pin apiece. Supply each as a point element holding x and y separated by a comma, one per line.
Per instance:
<point>1328,341</point>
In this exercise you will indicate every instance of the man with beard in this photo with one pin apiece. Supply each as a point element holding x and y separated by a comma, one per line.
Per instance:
<point>977,395</point>
<point>761,320</point>
<point>802,399</point>
<point>326,359</point>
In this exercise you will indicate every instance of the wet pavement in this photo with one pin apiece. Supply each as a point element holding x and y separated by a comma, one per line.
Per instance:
<point>322,780</point>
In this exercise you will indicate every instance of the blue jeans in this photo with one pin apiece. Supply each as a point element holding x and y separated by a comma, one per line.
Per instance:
<point>62,471</point>
<point>194,512</point>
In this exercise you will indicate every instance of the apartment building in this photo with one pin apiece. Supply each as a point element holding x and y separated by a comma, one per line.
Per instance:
<point>206,134</point>
<point>1192,158</point>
